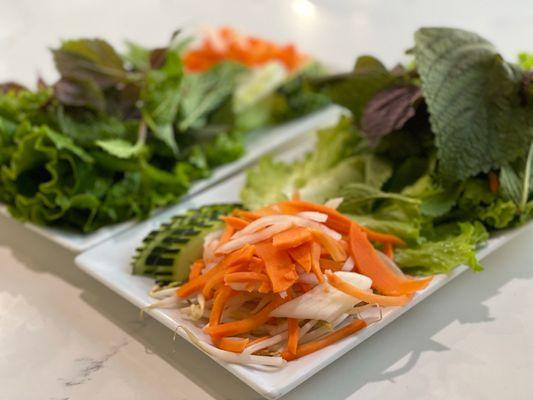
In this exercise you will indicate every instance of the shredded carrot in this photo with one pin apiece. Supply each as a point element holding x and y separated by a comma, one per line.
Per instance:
<point>315,261</point>
<point>302,255</point>
<point>294,332</point>
<point>332,246</point>
<point>382,237</point>
<point>247,215</point>
<point>196,269</point>
<point>279,266</point>
<point>370,298</point>
<point>291,238</point>
<point>239,256</point>
<point>221,297</point>
<point>244,325</point>
<point>235,345</point>
<point>227,234</point>
<point>388,250</point>
<point>217,280</point>
<point>227,44</point>
<point>368,262</point>
<point>335,221</point>
<point>236,222</point>
<point>326,264</point>
<point>245,277</point>
<point>325,341</point>
<point>494,182</point>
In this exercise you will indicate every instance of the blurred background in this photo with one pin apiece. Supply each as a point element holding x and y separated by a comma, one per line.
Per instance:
<point>334,31</point>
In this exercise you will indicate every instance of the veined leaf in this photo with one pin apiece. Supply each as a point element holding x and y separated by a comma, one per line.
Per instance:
<point>474,101</point>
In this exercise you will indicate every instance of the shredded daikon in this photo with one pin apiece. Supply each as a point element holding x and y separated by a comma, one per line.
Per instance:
<point>234,358</point>
<point>314,216</point>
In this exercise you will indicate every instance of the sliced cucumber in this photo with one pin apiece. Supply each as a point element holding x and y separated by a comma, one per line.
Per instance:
<point>167,253</point>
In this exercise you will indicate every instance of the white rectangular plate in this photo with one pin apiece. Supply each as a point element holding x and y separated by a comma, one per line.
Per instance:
<point>110,264</point>
<point>258,143</point>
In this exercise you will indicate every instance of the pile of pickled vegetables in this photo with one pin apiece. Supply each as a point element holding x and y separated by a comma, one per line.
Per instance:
<point>286,280</point>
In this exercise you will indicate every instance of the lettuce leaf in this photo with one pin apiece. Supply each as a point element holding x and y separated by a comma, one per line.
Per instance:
<point>443,255</point>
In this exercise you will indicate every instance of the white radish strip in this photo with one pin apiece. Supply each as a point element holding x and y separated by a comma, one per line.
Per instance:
<point>334,203</point>
<point>233,358</point>
<point>209,239</point>
<point>391,264</point>
<point>163,293</point>
<point>295,219</point>
<point>348,264</point>
<point>308,278</point>
<point>323,330</point>
<point>265,234</point>
<point>263,344</point>
<point>168,302</point>
<point>283,294</point>
<point>314,216</point>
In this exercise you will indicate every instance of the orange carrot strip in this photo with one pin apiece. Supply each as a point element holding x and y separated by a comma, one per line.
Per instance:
<point>290,238</point>
<point>302,255</point>
<point>244,325</point>
<point>236,222</point>
<point>330,264</point>
<point>332,246</point>
<point>336,220</point>
<point>247,215</point>
<point>221,297</point>
<point>368,262</point>
<point>245,277</point>
<point>278,265</point>
<point>382,237</point>
<point>325,341</point>
<point>236,345</point>
<point>294,332</point>
<point>227,234</point>
<point>370,298</point>
<point>218,280</point>
<point>315,261</point>
<point>196,269</point>
<point>388,250</point>
<point>238,256</point>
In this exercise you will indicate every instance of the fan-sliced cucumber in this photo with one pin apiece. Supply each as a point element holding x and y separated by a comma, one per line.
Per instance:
<point>167,253</point>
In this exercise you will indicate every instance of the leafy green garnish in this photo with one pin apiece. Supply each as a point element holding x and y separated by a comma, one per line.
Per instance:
<point>474,101</point>
<point>445,254</point>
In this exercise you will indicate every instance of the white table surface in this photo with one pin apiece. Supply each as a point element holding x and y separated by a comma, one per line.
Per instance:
<point>65,336</point>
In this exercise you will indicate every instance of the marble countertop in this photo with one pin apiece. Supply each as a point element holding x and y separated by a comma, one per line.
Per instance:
<point>65,336</point>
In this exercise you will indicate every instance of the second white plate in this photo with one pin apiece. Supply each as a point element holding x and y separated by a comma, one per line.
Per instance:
<point>258,143</point>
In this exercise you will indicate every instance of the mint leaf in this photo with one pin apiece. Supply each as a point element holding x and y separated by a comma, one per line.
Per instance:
<point>161,97</point>
<point>474,101</point>
<point>202,93</point>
